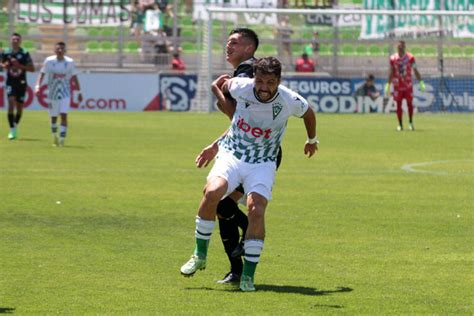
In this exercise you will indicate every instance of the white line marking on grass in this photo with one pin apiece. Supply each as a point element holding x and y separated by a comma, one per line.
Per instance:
<point>412,167</point>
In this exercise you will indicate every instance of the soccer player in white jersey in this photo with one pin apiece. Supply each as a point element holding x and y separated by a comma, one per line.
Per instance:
<point>61,72</point>
<point>247,156</point>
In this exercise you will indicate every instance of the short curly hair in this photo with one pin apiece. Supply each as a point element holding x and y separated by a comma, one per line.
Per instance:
<point>267,65</point>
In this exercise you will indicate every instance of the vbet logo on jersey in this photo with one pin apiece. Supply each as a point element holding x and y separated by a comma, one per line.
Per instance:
<point>255,131</point>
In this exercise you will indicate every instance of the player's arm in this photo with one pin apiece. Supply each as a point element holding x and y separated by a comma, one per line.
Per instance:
<point>4,61</point>
<point>209,152</point>
<point>29,66</point>
<point>389,82</point>
<point>311,145</point>
<point>418,76</point>
<point>220,88</point>
<point>38,83</point>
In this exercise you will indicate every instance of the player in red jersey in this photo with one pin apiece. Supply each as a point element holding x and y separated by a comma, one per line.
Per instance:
<point>400,72</point>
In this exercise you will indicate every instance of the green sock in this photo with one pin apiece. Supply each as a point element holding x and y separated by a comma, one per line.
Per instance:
<point>249,268</point>
<point>201,248</point>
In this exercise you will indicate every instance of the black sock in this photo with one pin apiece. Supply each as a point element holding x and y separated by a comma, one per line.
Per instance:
<point>18,117</point>
<point>227,211</point>
<point>11,119</point>
<point>230,239</point>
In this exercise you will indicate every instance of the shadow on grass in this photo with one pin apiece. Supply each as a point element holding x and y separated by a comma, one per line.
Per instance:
<point>6,310</point>
<point>303,290</point>
<point>75,147</point>
<point>28,139</point>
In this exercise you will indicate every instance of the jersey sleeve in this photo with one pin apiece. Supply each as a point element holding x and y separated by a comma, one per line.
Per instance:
<point>298,105</point>
<point>73,69</point>
<point>28,59</point>
<point>45,68</point>
<point>238,85</point>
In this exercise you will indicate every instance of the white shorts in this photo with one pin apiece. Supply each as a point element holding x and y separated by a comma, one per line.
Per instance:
<point>55,107</point>
<point>255,177</point>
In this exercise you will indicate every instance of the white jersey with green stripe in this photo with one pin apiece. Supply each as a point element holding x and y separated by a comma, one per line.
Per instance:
<point>257,127</point>
<point>59,73</point>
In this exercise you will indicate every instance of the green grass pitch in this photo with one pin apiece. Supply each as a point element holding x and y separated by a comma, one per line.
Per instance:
<point>380,222</point>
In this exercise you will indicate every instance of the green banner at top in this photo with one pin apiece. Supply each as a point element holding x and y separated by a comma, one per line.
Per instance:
<point>414,26</point>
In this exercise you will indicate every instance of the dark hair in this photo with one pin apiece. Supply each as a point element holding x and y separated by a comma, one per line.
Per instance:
<point>267,65</point>
<point>370,77</point>
<point>16,34</point>
<point>247,33</point>
<point>61,44</point>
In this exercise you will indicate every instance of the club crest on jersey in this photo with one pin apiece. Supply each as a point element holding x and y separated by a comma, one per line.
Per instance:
<point>277,107</point>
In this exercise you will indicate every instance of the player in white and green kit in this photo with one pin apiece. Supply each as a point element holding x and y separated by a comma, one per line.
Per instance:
<point>60,71</point>
<point>247,156</point>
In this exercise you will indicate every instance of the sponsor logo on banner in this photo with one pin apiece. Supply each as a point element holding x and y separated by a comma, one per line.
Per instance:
<point>177,92</point>
<point>319,19</point>
<point>78,12</point>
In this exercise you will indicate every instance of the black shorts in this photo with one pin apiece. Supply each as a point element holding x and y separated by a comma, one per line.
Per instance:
<point>17,90</point>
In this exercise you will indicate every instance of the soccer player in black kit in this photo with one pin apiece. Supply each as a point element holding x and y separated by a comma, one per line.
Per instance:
<point>16,61</point>
<point>240,49</point>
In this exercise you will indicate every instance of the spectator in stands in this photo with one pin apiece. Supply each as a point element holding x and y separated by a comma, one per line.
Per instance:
<point>146,4</point>
<point>312,49</point>
<point>162,47</point>
<point>368,88</point>
<point>177,63</point>
<point>165,7</point>
<point>138,19</point>
<point>304,64</point>
<point>283,33</point>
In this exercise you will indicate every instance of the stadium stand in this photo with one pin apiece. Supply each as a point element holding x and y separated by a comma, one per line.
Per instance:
<point>92,45</point>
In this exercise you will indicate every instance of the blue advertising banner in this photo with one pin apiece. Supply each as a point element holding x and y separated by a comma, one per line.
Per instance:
<point>177,92</point>
<point>337,95</point>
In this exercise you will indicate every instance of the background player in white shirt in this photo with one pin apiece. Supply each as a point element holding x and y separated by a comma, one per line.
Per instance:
<point>247,155</point>
<point>61,72</point>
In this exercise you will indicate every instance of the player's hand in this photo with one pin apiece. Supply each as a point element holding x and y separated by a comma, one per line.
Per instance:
<point>206,155</point>
<point>15,63</point>
<point>422,86</point>
<point>310,149</point>
<point>220,80</point>
<point>79,97</point>
<point>37,91</point>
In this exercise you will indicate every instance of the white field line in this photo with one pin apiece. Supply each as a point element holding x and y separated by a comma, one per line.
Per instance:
<point>413,167</point>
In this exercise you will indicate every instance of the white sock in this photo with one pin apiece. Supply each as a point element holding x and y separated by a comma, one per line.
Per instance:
<point>63,131</point>
<point>204,228</point>
<point>253,248</point>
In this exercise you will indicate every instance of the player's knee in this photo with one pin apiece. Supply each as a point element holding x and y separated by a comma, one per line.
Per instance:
<point>214,192</point>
